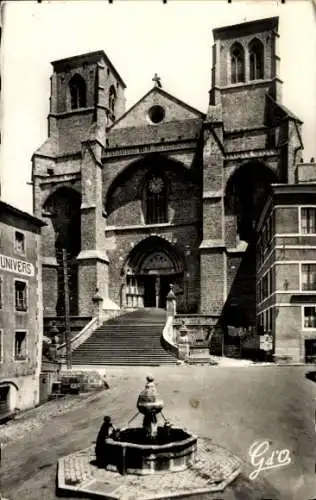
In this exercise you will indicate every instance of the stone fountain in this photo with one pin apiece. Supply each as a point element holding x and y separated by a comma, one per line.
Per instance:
<point>147,462</point>
<point>150,448</point>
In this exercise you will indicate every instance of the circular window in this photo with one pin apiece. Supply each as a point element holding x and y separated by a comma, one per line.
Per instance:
<point>156,114</point>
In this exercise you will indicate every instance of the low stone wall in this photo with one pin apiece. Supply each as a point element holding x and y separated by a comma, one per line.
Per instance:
<point>167,338</point>
<point>199,326</point>
<point>89,328</point>
<point>77,324</point>
<point>144,459</point>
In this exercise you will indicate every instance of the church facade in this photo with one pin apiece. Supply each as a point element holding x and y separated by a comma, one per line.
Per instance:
<point>162,193</point>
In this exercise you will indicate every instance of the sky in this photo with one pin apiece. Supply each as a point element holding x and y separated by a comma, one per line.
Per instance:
<point>140,37</point>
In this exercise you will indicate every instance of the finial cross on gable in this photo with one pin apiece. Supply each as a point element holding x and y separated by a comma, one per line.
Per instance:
<point>157,80</point>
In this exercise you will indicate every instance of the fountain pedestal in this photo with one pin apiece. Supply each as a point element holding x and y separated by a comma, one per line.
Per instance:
<point>152,453</point>
<point>149,404</point>
<point>150,448</point>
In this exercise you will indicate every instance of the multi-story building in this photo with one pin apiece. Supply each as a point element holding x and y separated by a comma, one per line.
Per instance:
<point>162,193</point>
<point>21,314</point>
<point>286,267</point>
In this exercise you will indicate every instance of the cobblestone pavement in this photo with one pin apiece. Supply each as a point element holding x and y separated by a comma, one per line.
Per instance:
<point>232,406</point>
<point>36,418</point>
<point>213,469</point>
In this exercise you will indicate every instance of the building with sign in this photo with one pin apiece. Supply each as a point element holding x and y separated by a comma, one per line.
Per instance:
<point>286,267</point>
<point>21,317</point>
<point>163,193</point>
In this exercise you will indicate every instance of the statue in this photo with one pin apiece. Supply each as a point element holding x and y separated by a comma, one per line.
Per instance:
<point>149,404</point>
<point>157,81</point>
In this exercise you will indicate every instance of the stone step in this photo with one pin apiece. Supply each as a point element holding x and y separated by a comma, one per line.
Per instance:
<point>130,339</point>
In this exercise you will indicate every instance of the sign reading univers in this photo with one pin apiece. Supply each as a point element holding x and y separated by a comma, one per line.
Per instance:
<point>16,266</point>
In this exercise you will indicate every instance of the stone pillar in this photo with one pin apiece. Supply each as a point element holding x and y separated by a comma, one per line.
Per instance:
<point>93,261</point>
<point>97,306</point>
<point>171,304</point>
<point>212,248</point>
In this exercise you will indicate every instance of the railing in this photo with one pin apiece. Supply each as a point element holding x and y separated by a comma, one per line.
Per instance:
<point>83,335</point>
<point>89,328</point>
<point>167,337</point>
<point>107,314</point>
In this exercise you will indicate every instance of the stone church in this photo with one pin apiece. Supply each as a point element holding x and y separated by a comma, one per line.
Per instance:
<point>162,193</point>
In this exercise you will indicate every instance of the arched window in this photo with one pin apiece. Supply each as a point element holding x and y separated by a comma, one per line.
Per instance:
<point>77,88</point>
<point>237,59</point>
<point>156,207</point>
<point>112,100</point>
<point>256,60</point>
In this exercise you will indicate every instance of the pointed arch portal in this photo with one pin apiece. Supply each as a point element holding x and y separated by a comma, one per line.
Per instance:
<point>151,267</point>
<point>63,207</point>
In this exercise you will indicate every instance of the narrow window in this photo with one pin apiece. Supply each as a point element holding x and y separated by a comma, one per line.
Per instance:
<point>112,100</point>
<point>308,220</point>
<point>156,200</point>
<point>256,60</point>
<point>19,242</point>
<point>308,276</point>
<point>237,59</point>
<point>20,346</point>
<point>1,347</point>
<point>77,88</point>
<point>20,296</point>
<point>309,317</point>
<point>1,292</point>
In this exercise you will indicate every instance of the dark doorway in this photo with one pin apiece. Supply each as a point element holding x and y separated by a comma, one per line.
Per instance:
<point>150,291</point>
<point>156,288</point>
<point>152,265</point>
<point>310,350</point>
<point>164,290</point>
<point>4,399</point>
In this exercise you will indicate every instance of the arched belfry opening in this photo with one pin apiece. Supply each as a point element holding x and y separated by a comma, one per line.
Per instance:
<point>246,192</point>
<point>256,60</point>
<point>78,92</point>
<point>152,265</point>
<point>63,207</point>
<point>112,101</point>
<point>237,63</point>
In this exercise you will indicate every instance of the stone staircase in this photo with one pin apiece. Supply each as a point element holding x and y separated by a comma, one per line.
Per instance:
<point>130,339</point>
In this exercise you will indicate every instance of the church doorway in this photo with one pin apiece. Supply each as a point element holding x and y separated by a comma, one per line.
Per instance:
<point>156,288</point>
<point>152,267</point>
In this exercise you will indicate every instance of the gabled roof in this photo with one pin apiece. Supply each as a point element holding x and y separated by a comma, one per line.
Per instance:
<point>166,94</point>
<point>284,109</point>
<point>5,208</point>
<point>246,28</point>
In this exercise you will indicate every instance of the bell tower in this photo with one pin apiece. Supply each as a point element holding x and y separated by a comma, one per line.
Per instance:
<point>246,62</point>
<point>244,152</point>
<point>85,89</point>
<point>87,96</point>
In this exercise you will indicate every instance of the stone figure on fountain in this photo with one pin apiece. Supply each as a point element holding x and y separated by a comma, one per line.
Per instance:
<point>150,404</point>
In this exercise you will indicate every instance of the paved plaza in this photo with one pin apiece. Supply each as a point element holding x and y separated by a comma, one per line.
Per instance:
<point>232,407</point>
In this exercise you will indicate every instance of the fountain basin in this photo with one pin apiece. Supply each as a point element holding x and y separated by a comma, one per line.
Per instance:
<point>133,454</point>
